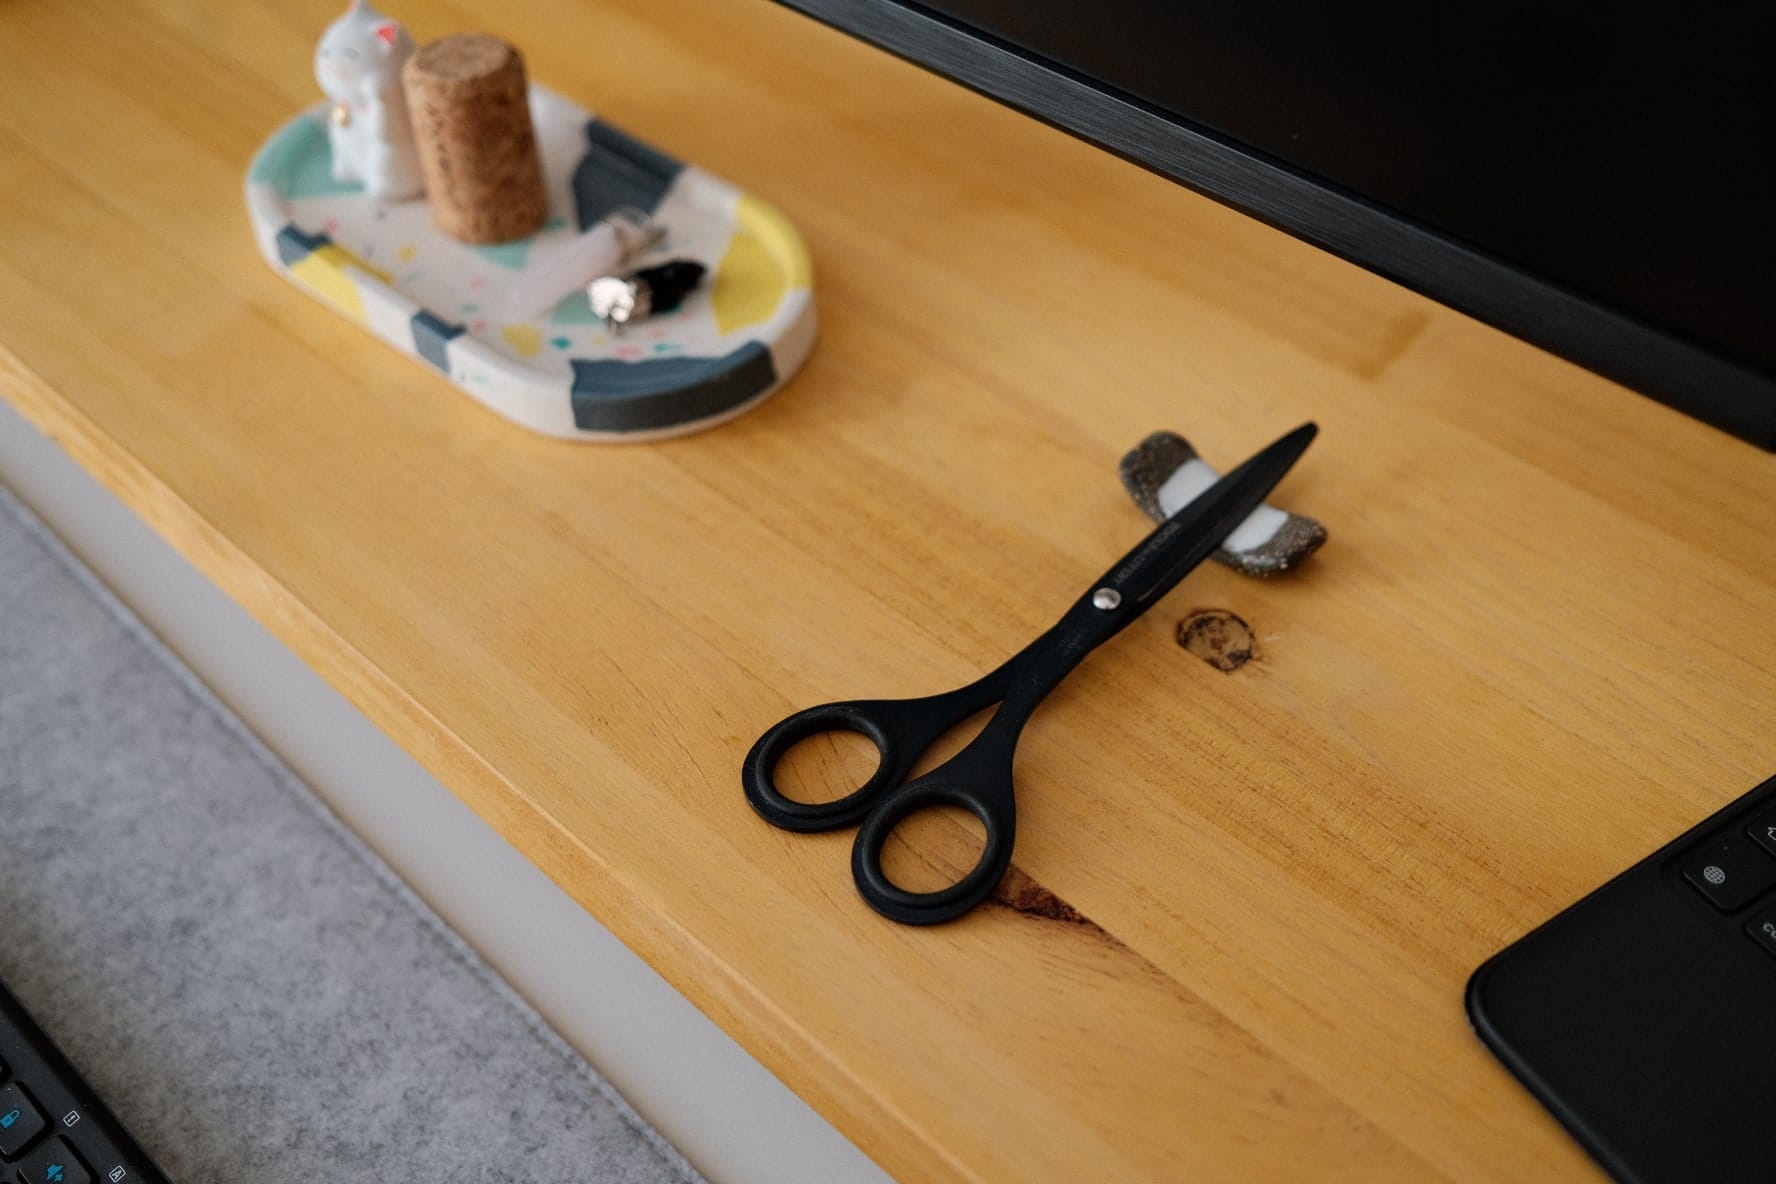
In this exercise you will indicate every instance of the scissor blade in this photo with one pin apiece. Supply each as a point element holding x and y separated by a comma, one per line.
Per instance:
<point>1191,535</point>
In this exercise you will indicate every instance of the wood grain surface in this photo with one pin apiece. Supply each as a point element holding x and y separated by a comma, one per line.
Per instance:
<point>1537,645</point>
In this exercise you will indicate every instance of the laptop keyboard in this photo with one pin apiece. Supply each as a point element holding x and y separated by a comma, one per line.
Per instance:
<point>53,1129</point>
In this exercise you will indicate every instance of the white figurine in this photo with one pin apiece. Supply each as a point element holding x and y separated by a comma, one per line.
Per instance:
<point>358,64</point>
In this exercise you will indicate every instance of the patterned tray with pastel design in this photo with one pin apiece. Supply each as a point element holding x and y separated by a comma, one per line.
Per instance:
<point>727,347</point>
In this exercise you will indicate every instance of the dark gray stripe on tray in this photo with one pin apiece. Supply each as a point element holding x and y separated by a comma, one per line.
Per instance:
<point>294,246</point>
<point>619,170</point>
<point>431,333</point>
<point>612,396</point>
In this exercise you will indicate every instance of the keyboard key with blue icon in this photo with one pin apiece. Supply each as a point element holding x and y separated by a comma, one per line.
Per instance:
<point>53,1162</point>
<point>20,1120</point>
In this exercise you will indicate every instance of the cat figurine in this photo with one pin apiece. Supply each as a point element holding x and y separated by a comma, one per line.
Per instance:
<point>358,64</point>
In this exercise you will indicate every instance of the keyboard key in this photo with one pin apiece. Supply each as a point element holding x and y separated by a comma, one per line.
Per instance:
<point>20,1120</point>
<point>1731,872</point>
<point>1762,927</point>
<point>1763,829</point>
<point>53,1163</point>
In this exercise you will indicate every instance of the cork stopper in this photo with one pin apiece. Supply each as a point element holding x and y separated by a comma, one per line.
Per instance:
<point>468,100</point>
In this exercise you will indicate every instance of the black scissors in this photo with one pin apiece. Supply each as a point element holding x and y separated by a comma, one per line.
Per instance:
<point>978,778</point>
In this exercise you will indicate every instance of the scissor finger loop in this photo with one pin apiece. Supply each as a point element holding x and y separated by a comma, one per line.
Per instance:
<point>872,720</point>
<point>990,801</point>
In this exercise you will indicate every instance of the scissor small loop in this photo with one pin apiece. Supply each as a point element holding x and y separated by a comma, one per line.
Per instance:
<point>997,812</point>
<point>759,773</point>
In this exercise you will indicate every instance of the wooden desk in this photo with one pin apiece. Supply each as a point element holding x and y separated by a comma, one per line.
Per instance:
<point>1537,646</point>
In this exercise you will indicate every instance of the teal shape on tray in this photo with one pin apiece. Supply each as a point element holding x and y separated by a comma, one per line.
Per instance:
<point>512,254</point>
<point>298,162</point>
<point>575,309</point>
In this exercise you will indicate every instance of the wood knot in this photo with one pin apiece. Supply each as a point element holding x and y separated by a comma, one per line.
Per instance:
<point>1024,896</point>
<point>1218,638</point>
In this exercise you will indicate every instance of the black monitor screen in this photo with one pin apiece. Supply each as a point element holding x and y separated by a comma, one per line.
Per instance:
<point>1615,165</point>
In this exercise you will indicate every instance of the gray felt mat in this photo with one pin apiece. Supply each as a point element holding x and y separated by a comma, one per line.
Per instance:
<point>258,997</point>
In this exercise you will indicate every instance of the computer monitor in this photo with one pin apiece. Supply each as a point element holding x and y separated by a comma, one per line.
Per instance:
<point>1600,182</point>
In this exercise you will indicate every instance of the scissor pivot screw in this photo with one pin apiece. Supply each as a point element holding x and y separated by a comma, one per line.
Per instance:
<point>1106,599</point>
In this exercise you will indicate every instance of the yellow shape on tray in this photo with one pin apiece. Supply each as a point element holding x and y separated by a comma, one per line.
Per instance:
<point>328,270</point>
<point>526,341</point>
<point>764,259</point>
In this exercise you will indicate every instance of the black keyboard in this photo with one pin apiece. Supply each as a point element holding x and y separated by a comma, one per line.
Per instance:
<point>1644,1016</point>
<point>53,1130</point>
